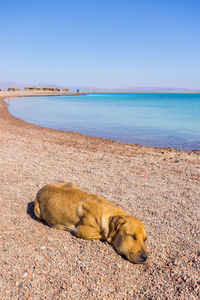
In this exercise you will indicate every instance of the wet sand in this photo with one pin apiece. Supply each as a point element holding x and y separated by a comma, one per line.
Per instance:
<point>159,186</point>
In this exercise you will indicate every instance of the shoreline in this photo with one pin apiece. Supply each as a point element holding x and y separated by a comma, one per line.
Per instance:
<point>158,186</point>
<point>38,94</point>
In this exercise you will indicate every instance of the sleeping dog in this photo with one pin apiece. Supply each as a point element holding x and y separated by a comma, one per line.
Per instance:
<point>64,206</point>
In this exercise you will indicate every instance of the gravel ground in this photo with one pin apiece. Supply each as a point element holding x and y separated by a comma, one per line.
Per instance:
<point>159,186</point>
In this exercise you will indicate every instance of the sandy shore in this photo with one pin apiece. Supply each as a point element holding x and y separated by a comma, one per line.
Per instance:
<point>159,186</point>
<point>34,93</point>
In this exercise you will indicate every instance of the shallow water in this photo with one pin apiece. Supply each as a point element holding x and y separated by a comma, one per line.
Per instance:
<point>161,120</point>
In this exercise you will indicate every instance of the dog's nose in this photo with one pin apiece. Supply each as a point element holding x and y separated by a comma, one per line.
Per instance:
<point>143,257</point>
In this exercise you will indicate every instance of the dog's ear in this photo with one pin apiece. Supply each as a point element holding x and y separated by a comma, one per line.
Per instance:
<point>115,223</point>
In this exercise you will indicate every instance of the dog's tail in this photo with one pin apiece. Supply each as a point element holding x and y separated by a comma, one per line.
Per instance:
<point>37,209</point>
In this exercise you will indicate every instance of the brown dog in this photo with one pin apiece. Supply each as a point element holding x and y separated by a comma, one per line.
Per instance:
<point>64,206</point>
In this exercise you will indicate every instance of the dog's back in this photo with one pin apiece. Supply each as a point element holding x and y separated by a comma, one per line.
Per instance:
<point>65,204</point>
<point>39,196</point>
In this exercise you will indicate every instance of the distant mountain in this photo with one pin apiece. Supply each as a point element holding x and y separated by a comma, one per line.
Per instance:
<point>7,83</point>
<point>149,89</point>
<point>162,89</point>
<point>4,85</point>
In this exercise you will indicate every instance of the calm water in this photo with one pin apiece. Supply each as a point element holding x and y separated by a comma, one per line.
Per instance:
<point>162,120</point>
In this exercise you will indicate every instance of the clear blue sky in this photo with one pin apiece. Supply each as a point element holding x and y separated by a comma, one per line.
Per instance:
<point>105,43</point>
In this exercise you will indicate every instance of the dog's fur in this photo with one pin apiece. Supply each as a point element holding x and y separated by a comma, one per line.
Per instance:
<point>64,206</point>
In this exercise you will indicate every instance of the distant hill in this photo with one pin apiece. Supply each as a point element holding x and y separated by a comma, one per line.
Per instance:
<point>149,89</point>
<point>7,83</point>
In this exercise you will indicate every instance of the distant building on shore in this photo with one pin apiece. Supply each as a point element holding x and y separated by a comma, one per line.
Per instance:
<point>44,89</point>
<point>12,89</point>
<point>65,90</point>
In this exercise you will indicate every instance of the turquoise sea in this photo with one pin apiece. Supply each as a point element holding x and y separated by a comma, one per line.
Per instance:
<point>161,120</point>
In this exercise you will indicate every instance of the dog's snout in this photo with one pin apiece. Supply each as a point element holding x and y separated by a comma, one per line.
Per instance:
<point>143,257</point>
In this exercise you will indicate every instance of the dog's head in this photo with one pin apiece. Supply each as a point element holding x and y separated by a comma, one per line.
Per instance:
<point>127,235</point>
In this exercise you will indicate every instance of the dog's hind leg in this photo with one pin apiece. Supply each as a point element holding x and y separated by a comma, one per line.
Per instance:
<point>37,210</point>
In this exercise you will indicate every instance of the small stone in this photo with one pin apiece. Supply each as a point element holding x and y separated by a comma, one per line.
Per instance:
<point>174,262</point>
<point>21,285</point>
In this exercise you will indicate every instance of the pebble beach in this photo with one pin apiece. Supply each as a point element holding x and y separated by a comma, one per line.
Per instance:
<point>159,186</point>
